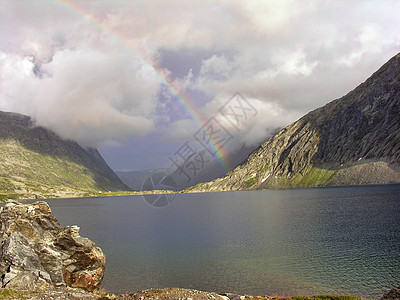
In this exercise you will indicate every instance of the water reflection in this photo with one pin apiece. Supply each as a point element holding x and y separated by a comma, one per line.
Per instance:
<point>328,240</point>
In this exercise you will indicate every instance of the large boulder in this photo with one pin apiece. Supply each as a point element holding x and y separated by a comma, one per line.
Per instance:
<point>37,253</point>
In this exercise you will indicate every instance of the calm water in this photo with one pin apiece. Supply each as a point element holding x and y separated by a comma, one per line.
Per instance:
<point>310,241</point>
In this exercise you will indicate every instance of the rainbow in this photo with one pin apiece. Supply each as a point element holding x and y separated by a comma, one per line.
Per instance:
<point>78,9</point>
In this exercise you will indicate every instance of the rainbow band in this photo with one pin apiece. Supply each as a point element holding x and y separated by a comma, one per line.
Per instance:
<point>78,9</point>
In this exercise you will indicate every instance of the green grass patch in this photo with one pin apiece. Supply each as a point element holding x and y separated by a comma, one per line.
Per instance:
<point>251,181</point>
<point>11,294</point>
<point>26,174</point>
<point>5,196</point>
<point>312,176</point>
<point>325,297</point>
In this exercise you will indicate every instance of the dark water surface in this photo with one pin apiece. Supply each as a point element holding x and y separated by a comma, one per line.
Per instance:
<point>310,241</point>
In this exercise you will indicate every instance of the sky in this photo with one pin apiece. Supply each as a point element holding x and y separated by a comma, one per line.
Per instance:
<point>140,80</point>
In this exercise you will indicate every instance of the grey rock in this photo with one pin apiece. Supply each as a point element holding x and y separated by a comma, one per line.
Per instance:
<point>175,293</point>
<point>352,140</point>
<point>393,294</point>
<point>37,253</point>
<point>27,280</point>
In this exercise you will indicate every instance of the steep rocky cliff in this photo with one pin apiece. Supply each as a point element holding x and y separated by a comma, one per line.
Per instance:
<point>351,140</point>
<point>35,162</point>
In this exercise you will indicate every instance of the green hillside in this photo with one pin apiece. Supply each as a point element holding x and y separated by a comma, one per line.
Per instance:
<point>36,163</point>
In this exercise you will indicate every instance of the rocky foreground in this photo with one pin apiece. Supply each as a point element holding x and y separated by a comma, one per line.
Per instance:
<point>153,294</point>
<point>37,253</point>
<point>167,294</point>
<point>40,259</point>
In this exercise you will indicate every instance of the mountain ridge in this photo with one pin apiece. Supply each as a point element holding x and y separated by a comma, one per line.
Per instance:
<point>352,140</point>
<point>35,162</point>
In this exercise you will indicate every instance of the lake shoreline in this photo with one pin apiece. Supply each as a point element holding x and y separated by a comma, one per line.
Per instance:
<point>4,198</point>
<point>162,294</point>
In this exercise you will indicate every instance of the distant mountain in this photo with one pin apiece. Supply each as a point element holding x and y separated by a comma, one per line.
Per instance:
<point>136,180</point>
<point>352,140</point>
<point>35,162</point>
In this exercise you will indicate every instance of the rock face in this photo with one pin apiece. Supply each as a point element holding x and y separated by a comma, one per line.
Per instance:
<point>393,294</point>
<point>351,140</point>
<point>36,253</point>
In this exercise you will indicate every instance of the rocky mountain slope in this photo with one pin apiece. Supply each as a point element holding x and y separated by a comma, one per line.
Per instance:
<point>352,140</point>
<point>35,162</point>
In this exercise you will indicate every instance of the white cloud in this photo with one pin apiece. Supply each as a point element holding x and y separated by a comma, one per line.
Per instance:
<point>257,118</point>
<point>86,68</point>
<point>368,41</point>
<point>83,95</point>
<point>216,68</point>
<point>295,63</point>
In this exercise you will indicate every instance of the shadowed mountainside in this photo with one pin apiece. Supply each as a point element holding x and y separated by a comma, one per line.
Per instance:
<point>352,140</point>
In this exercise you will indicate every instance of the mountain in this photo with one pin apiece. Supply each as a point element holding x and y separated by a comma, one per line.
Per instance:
<point>352,140</point>
<point>35,162</point>
<point>135,179</point>
<point>212,170</point>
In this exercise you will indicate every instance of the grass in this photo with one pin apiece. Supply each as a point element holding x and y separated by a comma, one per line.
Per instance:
<point>27,174</point>
<point>313,176</point>
<point>250,181</point>
<point>325,297</point>
<point>5,196</point>
<point>11,294</point>
<point>4,293</point>
<point>319,297</point>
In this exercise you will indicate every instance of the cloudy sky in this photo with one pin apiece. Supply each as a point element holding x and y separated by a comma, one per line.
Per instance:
<point>138,79</point>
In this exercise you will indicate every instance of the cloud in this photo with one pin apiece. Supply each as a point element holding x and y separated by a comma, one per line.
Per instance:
<point>250,121</point>
<point>84,95</point>
<point>93,70</point>
<point>216,68</point>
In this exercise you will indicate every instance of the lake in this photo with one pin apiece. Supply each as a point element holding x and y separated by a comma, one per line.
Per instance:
<point>342,240</point>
